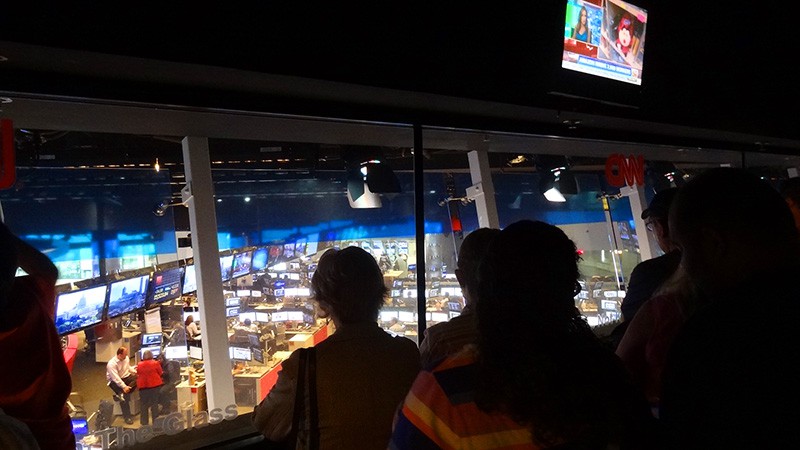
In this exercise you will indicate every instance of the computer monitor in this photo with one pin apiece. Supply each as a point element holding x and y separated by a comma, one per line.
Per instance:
<point>387,316</point>
<point>80,309</point>
<point>454,306</point>
<point>406,316</point>
<point>242,263</point>
<point>127,295</point>
<point>80,426</point>
<point>155,350</point>
<point>176,352</point>
<point>438,317</point>
<point>254,340</point>
<point>295,316</point>
<point>280,316</point>
<point>258,355</point>
<point>189,280</point>
<point>241,354</point>
<point>243,292</point>
<point>260,259</point>
<point>226,267</point>
<point>166,286</point>
<point>262,317</point>
<point>233,311</point>
<point>279,292</point>
<point>195,352</point>
<point>247,315</point>
<point>149,339</point>
<point>233,301</point>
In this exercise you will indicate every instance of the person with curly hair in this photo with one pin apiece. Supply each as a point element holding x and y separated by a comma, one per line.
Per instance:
<point>538,377</point>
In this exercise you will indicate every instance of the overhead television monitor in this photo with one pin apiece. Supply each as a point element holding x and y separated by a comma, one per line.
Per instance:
<point>300,248</point>
<point>242,263</point>
<point>166,286</point>
<point>605,38</point>
<point>288,250</point>
<point>76,310</point>
<point>275,252</point>
<point>127,295</point>
<point>189,280</point>
<point>260,259</point>
<point>226,267</point>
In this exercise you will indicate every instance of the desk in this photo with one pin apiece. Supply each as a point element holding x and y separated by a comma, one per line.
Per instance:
<point>250,387</point>
<point>106,349</point>
<point>194,393</point>
<point>300,340</point>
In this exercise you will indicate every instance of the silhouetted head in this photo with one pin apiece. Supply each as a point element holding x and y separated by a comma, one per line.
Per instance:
<point>730,225</point>
<point>656,216</point>
<point>472,251</point>
<point>348,284</point>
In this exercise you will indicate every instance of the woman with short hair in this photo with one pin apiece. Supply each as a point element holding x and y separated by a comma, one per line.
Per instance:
<point>149,384</point>
<point>363,373</point>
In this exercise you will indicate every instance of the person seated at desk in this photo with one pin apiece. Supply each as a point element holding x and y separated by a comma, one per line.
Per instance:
<point>192,331</point>
<point>396,326</point>
<point>121,379</point>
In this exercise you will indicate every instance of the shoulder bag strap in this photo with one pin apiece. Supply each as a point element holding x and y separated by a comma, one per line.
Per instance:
<point>312,399</point>
<point>299,407</point>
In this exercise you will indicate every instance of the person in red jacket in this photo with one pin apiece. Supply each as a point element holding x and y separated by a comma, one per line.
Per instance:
<point>149,383</point>
<point>35,391</point>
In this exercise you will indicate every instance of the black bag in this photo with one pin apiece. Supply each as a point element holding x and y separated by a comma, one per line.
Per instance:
<point>304,434</point>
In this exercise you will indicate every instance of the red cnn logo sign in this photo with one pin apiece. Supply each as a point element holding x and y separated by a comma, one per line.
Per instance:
<point>621,171</point>
<point>8,169</point>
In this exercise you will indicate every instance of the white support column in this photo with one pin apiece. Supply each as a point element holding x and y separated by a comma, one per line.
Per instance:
<point>482,189</point>
<point>203,222</point>
<point>648,247</point>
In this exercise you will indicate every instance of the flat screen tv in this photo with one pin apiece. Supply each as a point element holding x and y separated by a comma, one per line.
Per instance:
<point>226,267</point>
<point>127,295</point>
<point>605,38</point>
<point>76,310</point>
<point>189,280</point>
<point>260,258</point>
<point>242,263</point>
<point>166,286</point>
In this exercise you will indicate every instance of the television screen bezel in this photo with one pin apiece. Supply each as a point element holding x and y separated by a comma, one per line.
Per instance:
<point>129,310</point>
<point>150,301</point>
<point>185,278</point>
<point>237,257</point>
<point>84,326</point>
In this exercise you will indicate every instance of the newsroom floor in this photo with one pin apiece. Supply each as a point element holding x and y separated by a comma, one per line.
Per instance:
<point>89,385</point>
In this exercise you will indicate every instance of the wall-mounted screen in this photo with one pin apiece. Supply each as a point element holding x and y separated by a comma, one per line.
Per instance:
<point>126,296</point>
<point>226,267</point>
<point>605,38</point>
<point>80,309</point>
<point>166,286</point>
<point>260,258</point>
<point>288,251</point>
<point>275,252</point>
<point>189,280</point>
<point>242,263</point>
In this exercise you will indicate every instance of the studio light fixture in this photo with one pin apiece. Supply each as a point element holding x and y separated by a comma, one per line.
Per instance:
<point>368,176</point>
<point>157,166</point>
<point>557,181</point>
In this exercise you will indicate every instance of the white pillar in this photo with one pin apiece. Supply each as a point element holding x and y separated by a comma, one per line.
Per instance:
<point>482,189</point>
<point>648,247</point>
<point>203,222</point>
